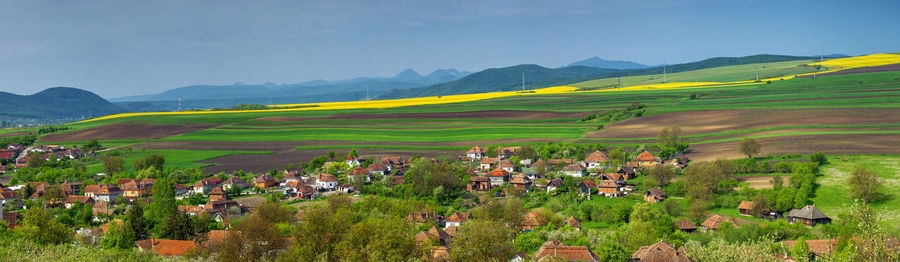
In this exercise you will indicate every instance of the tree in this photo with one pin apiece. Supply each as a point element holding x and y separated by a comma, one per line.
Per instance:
<point>155,160</point>
<point>40,227</point>
<point>93,145</point>
<point>761,205</point>
<point>35,160</point>
<point>253,239</point>
<point>378,240</point>
<point>482,240</point>
<point>661,175</point>
<point>316,238</point>
<point>749,147</point>
<point>135,222</point>
<point>117,236</point>
<point>163,205</point>
<point>177,226</point>
<point>865,185</point>
<point>53,195</point>
<point>353,154</point>
<point>801,249</point>
<point>670,137</point>
<point>273,212</point>
<point>527,152</point>
<point>113,164</point>
<point>331,155</point>
<point>612,250</point>
<point>819,158</point>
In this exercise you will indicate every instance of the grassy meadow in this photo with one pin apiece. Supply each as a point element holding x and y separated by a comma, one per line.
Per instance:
<point>832,196</point>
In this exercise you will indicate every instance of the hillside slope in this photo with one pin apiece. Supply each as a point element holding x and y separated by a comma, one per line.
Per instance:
<point>58,103</point>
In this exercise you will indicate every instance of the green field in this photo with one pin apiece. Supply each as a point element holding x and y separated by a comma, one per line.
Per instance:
<point>174,158</point>
<point>832,196</point>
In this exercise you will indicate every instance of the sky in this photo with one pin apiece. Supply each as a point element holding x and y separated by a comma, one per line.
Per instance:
<point>120,48</point>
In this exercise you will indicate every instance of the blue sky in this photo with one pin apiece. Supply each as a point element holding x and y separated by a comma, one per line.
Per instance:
<point>118,48</point>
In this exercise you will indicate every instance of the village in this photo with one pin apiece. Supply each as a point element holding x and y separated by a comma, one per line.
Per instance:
<point>496,172</point>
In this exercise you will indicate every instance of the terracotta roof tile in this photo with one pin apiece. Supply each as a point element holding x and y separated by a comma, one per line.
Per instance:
<point>555,249</point>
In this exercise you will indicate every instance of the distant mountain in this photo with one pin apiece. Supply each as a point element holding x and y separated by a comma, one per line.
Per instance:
<point>58,104</point>
<point>832,56</point>
<point>500,79</point>
<point>601,63</point>
<point>207,96</point>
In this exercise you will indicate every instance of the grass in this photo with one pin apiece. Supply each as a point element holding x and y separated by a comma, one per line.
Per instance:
<point>832,196</point>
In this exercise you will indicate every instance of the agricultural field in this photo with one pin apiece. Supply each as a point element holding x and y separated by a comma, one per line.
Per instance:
<point>856,113</point>
<point>831,197</point>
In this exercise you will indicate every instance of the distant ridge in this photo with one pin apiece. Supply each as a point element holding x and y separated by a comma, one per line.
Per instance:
<point>601,63</point>
<point>58,104</point>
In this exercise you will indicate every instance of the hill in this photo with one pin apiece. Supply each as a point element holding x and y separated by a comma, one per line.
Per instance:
<point>501,79</point>
<point>208,96</point>
<point>58,104</point>
<point>601,63</point>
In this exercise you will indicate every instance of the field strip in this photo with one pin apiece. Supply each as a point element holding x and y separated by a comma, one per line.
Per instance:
<point>744,131</point>
<point>314,147</point>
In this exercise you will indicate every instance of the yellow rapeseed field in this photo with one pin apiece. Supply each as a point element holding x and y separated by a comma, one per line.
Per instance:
<point>835,64</point>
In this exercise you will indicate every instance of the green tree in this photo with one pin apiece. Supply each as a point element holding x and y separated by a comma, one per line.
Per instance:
<point>117,236</point>
<point>819,158</point>
<point>482,240</point>
<point>40,227</point>
<point>135,223</point>
<point>113,164</point>
<point>273,212</point>
<point>35,160</point>
<point>800,250</point>
<point>177,226</point>
<point>378,240</point>
<point>527,152</point>
<point>749,147</point>
<point>612,250</point>
<point>331,155</point>
<point>156,161</point>
<point>353,154</point>
<point>163,205</point>
<point>670,137</point>
<point>865,185</point>
<point>660,175</point>
<point>316,238</point>
<point>93,145</point>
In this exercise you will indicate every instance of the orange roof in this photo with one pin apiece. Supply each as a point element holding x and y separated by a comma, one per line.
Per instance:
<point>572,222</point>
<point>746,205</point>
<point>685,225</point>
<point>612,176</point>
<point>520,179</point>
<point>490,160</point>
<point>555,249</point>
<point>715,221</point>
<point>459,217</point>
<point>498,172</point>
<point>661,251</point>
<point>325,177</point>
<point>476,150</point>
<point>531,220</point>
<point>574,168</point>
<point>646,156</point>
<point>166,247</point>
<point>359,171</point>
<point>597,157</point>
<point>217,191</point>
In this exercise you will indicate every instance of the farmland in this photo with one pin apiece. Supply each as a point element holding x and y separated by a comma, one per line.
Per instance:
<point>838,114</point>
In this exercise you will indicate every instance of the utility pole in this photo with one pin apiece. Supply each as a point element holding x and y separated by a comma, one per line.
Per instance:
<point>664,72</point>
<point>523,81</point>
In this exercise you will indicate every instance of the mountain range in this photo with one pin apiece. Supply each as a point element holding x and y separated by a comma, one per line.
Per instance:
<point>611,64</point>
<point>58,103</point>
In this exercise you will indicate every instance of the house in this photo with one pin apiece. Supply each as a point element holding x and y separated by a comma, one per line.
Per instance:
<point>507,165</point>
<point>166,247</point>
<point>646,159</point>
<point>89,190</point>
<point>224,208</point>
<point>556,251</point>
<point>628,172</point>
<point>107,193</point>
<point>235,181</point>
<point>498,177</point>
<point>586,186</point>
<point>103,208</point>
<point>344,188</point>
<point>135,188</point>
<point>8,197</point>
<point>11,219</point>
<point>554,184</point>
<point>574,170</point>
<point>289,177</point>
<point>686,226</point>
<point>180,190</point>
<point>714,222</point>
<point>205,185</point>
<point>393,162</point>
<point>264,181</point>
<point>507,152</point>
<point>488,163</point>
<point>746,208</point>
<point>71,200</point>
<point>654,195</point>
<point>326,181</point>
<point>531,221</point>
<point>456,219</point>
<point>190,210</point>
<point>352,161</point>
<point>307,192</point>
<point>361,173</point>
<point>476,153</point>
<point>597,160</point>
<point>72,187</point>
<point>7,154</point>
<point>217,194</point>
<point>562,161</point>
<point>422,217</point>
<point>433,236</point>
<point>818,247</point>
<point>397,180</point>
<point>572,222</point>
<point>615,177</point>
<point>661,251</point>
<point>379,169</point>
<point>478,184</point>
<point>521,182</point>
<point>293,173</point>
<point>609,188</point>
<point>808,215</point>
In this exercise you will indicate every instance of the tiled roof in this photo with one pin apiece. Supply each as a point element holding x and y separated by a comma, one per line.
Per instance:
<point>746,205</point>
<point>685,225</point>
<point>532,220</point>
<point>166,247</point>
<point>237,180</point>
<point>108,189</point>
<point>807,212</point>
<point>78,199</point>
<point>396,180</point>
<point>659,252</point>
<point>91,188</point>
<point>359,171</point>
<point>557,161</point>
<point>656,192</point>
<point>506,163</point>
<point>646,156</point>
<point>574,168</point>
<point>459,217</point>
<point>520,179</point>
<point>376,167</point>
<point>597,157</point>
<point>819,247</point>
<point>715,221</point>
<point>325,177</point>
<point>555,249</point>
<point>263,178</point>
<point>608,183</point>
<point>613,176</point>
<point>476,150</point>
<point>572,222</point>
<point>498,172</point>
<point>489,160</point>
<point>217,191</point>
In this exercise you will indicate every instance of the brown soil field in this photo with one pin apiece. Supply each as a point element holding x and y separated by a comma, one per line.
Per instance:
<point>804,99</point>
<point>884,68</point>
<point>220,145</point>
<point>711,121</point>
<point>263,163</point>
<point>803,144</point>
<point>767,132</point>
<point>756,182</point>
<point>124,131</point>
<point>15,134</point>
<point>486,114</point>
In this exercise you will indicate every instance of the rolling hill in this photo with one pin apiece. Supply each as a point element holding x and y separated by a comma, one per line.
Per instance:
<point>56,104</point>
<point>611,64</point>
